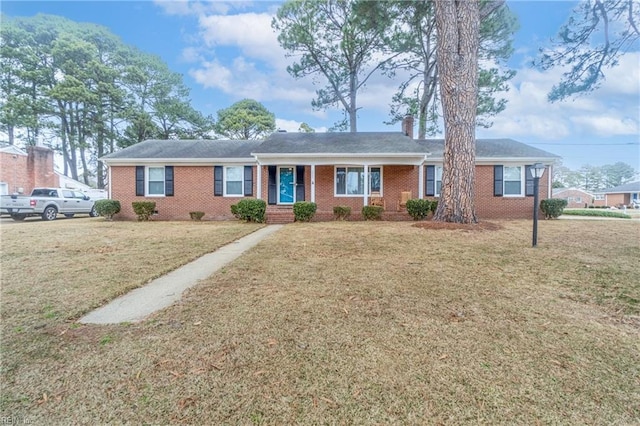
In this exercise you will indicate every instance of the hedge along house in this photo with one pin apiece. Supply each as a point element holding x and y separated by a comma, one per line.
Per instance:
<point>330,169</point>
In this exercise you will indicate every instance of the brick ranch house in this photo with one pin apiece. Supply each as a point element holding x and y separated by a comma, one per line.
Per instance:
<point>623,195</point>
<point>577,198</point>
<point>330,169</point>
<point>22,171</point>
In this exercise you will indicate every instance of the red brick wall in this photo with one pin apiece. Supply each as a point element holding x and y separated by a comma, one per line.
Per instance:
<point>618,200</point>
<point>28,172</point>
<point>40,168</point>
<point>13,172</point>
<point>193,191</point>
<point>490,207</point>
<point>573,195</point>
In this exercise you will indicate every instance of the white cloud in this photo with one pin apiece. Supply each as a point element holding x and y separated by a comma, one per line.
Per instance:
<point>213,75</point>
<point>189,7</point>
<point>609,111</point>
<point>249,32</point>
<point>191,54</point>
<point>609,125</point>
<point>294,126</point>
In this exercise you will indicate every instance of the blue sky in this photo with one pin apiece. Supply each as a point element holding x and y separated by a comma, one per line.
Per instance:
<point>227,51</point>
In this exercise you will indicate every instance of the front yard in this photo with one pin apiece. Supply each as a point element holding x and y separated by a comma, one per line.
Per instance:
<point>345,323</point>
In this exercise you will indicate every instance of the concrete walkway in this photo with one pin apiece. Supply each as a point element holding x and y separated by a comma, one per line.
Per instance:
<point>162,292</point>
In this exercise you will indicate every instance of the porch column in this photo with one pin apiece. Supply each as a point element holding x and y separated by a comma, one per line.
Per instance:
<point>366,184</point>
<point>259,178</point>
<point>420,181</point>
<point>108,183</point>
<point>313,183</point>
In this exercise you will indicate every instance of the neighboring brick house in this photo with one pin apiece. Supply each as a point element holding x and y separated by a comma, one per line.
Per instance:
<point>22,171</point>
<point>576,198</point>
<point>329,169</point>
<point>623,195</point>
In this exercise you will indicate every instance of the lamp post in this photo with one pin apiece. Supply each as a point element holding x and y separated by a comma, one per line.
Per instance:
<point>537,170</point>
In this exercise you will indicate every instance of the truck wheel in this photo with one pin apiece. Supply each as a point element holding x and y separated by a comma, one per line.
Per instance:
<point>93,212</point>
<point>49,213</point>
<point>18,216</point>
<point>69,215</point>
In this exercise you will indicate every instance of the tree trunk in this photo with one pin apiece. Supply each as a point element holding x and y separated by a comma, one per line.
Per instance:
<point>457,24</point>
<point>353,111</point>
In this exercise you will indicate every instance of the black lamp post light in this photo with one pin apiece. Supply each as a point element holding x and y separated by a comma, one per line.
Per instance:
<point>537,170</point>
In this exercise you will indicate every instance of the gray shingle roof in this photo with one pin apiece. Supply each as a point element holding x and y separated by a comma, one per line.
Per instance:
<point>319,143</point>
<point>187,149</point>
<point>626,188</point>
<point>339,143</point>
<point>490,148</point>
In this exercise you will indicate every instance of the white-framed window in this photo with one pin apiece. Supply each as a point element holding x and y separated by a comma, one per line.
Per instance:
<point>438,180</point>
<point>599,196</point>
<point>349,180</point>
<point>513,181</point>
<point>155,180</point>
<point>233,181</point>
<point>433,180</point>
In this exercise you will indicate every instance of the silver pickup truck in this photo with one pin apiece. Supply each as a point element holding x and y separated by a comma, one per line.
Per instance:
<point>47,203</point>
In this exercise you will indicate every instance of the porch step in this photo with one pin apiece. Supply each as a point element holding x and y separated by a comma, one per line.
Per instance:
<point>275,217</point>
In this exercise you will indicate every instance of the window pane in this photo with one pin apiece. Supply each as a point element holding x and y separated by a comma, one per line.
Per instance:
<point>234,174</point>
<point>512,188</point>
<point>438,180</point>
<point>234,188</point>
<point>156,174</point>
<point>156,188</point>
<point>355,180</point>
<point>374,179</point>
<point>341,181</point>
<point>512,173</point>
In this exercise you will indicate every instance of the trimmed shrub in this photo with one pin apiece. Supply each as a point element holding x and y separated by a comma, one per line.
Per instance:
<point>107,208</point>
<point>250,210</point>
<point>372,212</point>
<point>303,211</point>
<point>196,215</point>
<point>552,207</point>
<point>434,205</point>
<point>596,213</point>
<point>341,212</point>
<point>418,209</point>
<point>144,209</point>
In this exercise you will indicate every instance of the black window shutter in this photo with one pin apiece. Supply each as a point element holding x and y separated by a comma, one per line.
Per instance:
<point>430,181</point>
<point>528,181</point>
<point>498,186</point>
<point>168,181</point>
<point>217,181</point>
<point>248,181</point>
<point>273,187</point>
<point>299,183</point>
<point>139,180</point>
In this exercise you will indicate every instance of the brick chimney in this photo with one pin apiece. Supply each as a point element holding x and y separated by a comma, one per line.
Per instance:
<point>40,167</point>
<point>407,126</point>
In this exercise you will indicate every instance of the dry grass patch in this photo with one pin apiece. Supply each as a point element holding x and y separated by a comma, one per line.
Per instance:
<point>361,323</point>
